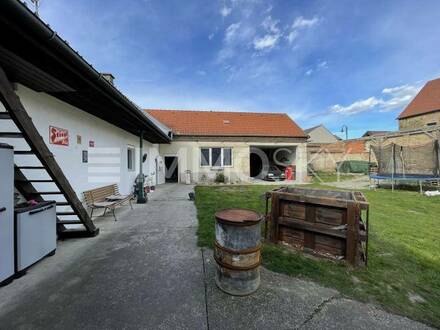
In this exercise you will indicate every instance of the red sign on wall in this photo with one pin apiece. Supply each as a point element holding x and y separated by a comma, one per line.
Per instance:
<point>58,136</point>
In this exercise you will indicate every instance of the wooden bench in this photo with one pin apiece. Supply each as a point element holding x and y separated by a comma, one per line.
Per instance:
<point>107,198</point>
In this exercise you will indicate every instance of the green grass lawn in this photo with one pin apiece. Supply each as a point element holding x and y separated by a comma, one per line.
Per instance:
<point>322,177</point>
<point>403,274</point>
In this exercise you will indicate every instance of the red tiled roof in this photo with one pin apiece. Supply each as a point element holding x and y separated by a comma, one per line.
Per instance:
<point>220,123</point>
<point>427,100</point>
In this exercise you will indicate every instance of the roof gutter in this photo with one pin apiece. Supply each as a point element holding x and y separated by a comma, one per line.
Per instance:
<point>36,29</point>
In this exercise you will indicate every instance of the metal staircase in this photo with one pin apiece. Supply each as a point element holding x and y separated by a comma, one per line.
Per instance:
<point>70,211</point>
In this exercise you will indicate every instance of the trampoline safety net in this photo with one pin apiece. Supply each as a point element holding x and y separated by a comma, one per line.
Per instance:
<point>394,159</point>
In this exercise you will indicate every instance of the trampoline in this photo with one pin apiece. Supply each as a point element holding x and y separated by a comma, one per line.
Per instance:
<point>398,164</point>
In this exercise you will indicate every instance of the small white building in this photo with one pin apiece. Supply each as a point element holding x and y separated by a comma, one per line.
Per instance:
<point>239,146</point>
<point>320,135</point>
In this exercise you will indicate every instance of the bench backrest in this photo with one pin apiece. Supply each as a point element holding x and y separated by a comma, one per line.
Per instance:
<point>99,194</point>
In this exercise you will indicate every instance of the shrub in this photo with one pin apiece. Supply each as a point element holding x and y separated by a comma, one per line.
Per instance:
<point>220,178</point>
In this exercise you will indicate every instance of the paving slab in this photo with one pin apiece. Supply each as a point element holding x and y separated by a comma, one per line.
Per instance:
<point>284,302</point>
<point>347,314</point>
<point>143,271</point>
<point>281,302</point>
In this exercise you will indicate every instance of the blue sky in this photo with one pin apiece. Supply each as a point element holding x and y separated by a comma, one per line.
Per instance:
<point>348,62</point>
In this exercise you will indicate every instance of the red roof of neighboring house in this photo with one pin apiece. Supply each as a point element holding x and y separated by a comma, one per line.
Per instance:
<point>222,123</point>
<point>427,100</point>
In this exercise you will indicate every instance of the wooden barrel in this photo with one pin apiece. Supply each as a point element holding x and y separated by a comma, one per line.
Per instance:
<point>237,250</point>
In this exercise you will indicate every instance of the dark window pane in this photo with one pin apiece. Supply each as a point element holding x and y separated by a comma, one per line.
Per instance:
<point>204,160</point>
<point>130,159</point>
<point>227,157</point>
<point>216,159</point>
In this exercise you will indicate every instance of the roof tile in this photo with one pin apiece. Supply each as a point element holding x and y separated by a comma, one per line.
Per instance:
<point>426,101</point>
<point>222,123</point>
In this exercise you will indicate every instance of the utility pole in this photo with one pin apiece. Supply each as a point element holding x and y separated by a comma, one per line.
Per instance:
<point>37,6</point>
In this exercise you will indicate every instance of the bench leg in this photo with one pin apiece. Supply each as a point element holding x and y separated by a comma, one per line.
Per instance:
<point>131,205</point>
<point>91,214</point>
<point>114,215</point>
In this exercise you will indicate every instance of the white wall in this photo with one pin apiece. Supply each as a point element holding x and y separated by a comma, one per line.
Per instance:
<point>188,153</point>
<point>107,160</point>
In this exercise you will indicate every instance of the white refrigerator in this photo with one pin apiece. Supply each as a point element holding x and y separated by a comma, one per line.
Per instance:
<point>6,213</point>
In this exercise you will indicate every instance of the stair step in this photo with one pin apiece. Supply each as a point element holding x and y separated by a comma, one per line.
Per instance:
<point>69,222</point>
<point>24,152</point>
<point>11,135</point>
<point>35,181</point>
<point>4,115</point>
<point>62,203</point>
<point>31,167</point>
<point>77,232</point>
<point>66,213</point>
<point>47,193</point>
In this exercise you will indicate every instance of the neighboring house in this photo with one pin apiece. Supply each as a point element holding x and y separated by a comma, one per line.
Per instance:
<point>320,134</point>
<point>375,133</point>
<point>424,109</point>
<point>206,143</point>
<point>91,128</point>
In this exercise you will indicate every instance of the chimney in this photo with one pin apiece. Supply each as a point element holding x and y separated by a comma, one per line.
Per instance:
<point>109,77</point>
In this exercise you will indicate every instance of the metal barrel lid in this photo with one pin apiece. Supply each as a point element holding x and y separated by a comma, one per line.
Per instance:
<point>238,217</point>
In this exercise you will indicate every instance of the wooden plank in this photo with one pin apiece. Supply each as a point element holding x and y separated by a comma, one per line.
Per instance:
<point>327,201</point>
<point>30,167</point>
<point>352,233</point>
<point>329,215</point>
<point>62,204</point>
<point>311,227</point>
<point>309,236</point>
<point>69,222</point>
<point>274,233</point>
<point>47,193</point>
<point>11,135</point>
<point>37,181</point>
<point>22,120</point>
<point>23,152</point>
<point>4,116</point>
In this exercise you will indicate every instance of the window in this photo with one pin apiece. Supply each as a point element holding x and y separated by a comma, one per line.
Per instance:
<point>205,160</point>
<point>227,157</point>
<point>215,157</point>
<point>130,158</point>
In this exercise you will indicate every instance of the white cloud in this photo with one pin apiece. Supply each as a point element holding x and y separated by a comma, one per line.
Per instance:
<point>309,72</point>
<point>392,98</point>
<point>231,32</point>
<point>225,11</point>
<point>322,65</point>
<point>292,36</point>
<point>201,72</point>
<point>356,107</point>
<point>211,36</point>
<point>301,22</point>
<point>269,40</point>
<point>271,25</point>
<point>266,42</point>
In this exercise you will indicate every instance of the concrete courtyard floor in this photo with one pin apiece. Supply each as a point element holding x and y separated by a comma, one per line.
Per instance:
<point>145,271</point>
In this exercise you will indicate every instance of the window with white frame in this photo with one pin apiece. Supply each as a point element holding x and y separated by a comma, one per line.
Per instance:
<point>215,157</point>
<point>130,158</point>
